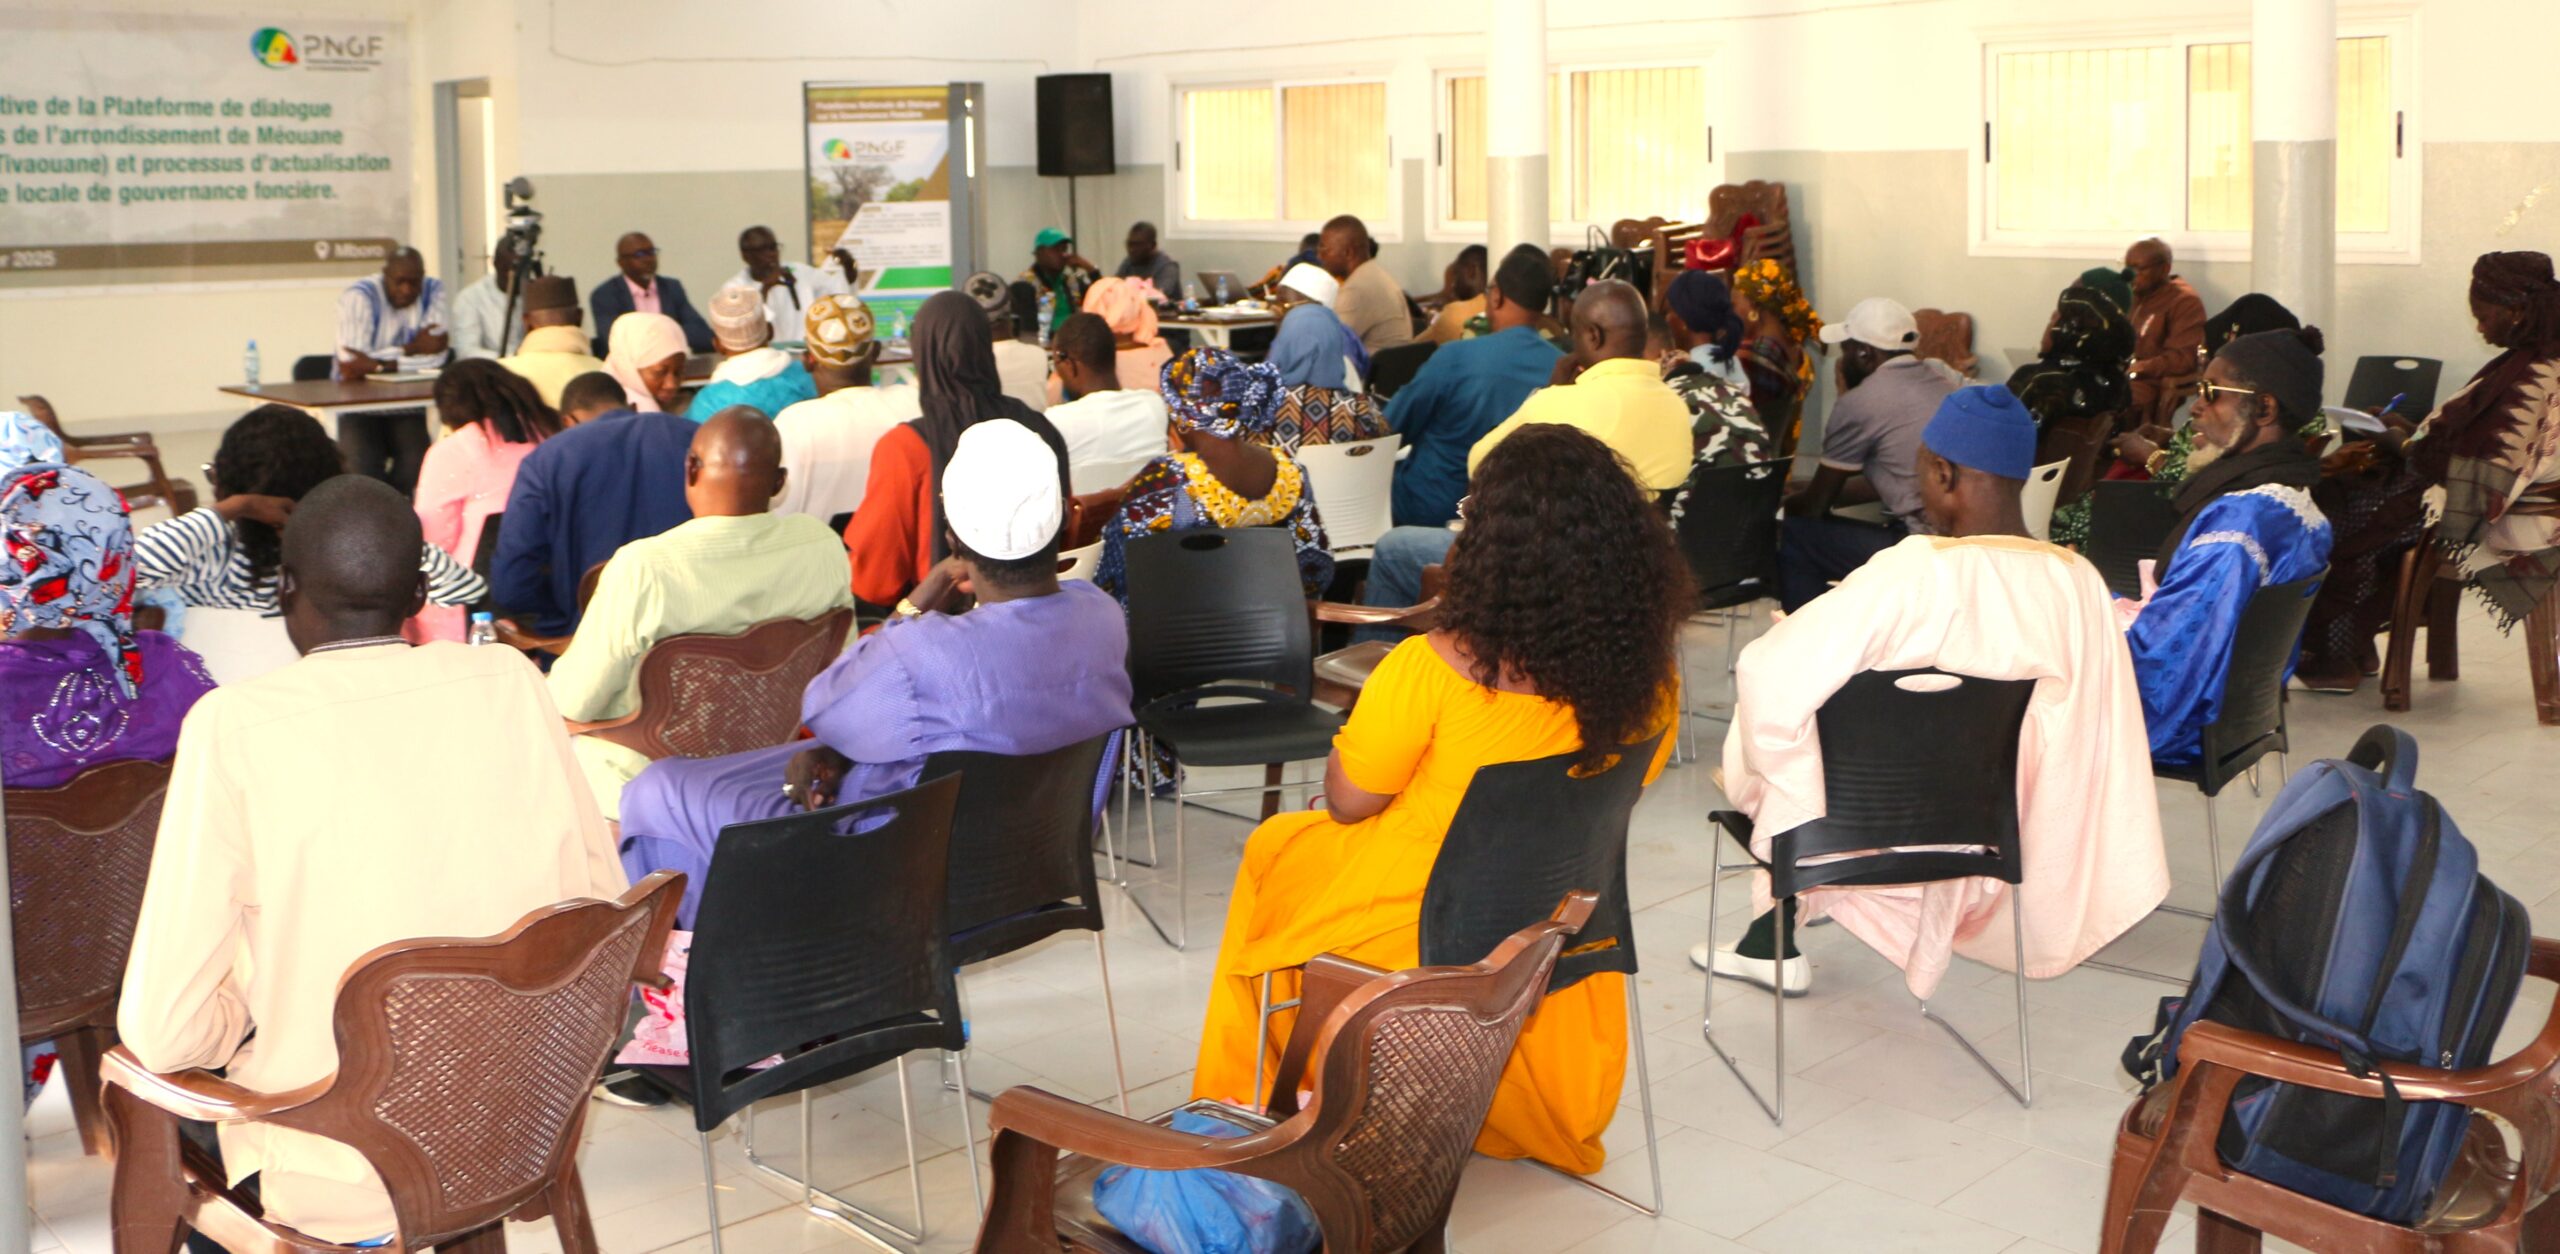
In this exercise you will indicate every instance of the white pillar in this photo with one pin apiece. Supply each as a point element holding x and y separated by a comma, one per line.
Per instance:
<point>1515,90</point>
<point>2293,116</point>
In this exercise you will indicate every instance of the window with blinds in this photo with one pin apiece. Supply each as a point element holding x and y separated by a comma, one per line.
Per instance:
<point>1621,143</point>
<point>1283,153</point>
<point>2092,143</point>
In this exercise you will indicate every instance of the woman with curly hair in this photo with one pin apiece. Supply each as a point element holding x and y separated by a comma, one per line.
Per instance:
<point>492,418</point>
<point>1557,636</point>
<point>224,555</point>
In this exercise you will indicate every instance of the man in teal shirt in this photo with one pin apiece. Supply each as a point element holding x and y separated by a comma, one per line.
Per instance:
<point>1468,387</point>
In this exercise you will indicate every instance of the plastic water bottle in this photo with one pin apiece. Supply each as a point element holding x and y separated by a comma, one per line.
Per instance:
<point>484,628</point>
<point>1223,297</point>
<point>1190,296</point>
<point>898,328</point>
<point>1048,309</point>
<point>249,363</point>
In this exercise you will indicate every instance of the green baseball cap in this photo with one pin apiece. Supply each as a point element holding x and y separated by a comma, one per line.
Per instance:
<point>1048,237</point>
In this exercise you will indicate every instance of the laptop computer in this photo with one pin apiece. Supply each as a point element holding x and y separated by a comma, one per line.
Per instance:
<point>1208,280</point>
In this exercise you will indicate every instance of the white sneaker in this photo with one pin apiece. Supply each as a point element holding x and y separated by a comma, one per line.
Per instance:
<point>1758,972</point>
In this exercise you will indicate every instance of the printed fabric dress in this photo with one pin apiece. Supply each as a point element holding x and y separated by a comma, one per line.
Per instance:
<point>1176,492</point>
<point>1311,884</point>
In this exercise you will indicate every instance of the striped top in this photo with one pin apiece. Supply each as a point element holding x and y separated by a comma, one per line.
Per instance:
<point>370,326</point>
<point>198,556</point>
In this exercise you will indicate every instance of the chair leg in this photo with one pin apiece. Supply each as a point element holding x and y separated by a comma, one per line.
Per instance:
<point>969,1131</point>
<point>2024,1090</point>
<point>1181,865</point>
<point>2220,1234</point>
<point>1776,1110</point>
<point>2213,843</point>
<point>710,1189</point>
<point>1644,1092</point>
<point>2542,654</point>
<point>149,1194</point>
<point>1261,1041</point>
<point>1272,775</point>
<point>79,1051</point>
<point>1111,1015</point>
<point>2417,569</point>
<point>2444,641</point>
<point>907,1122</point>
<point>570,1218</point>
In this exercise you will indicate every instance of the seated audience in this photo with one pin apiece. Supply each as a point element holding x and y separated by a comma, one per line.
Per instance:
<point>606,480</point>
<point>1221,477</point>
<point>2481,465</point>
<point>1461,295</point>
<point>554,349</point>
<point>225,555</point>
<point>78,685</point>
<point>786,288</point>
<point>1141,351</point>
<point>1110,430</point>
<point>1468,388</point>
<point>1146,261</point>
<point>897,537</point>
<point>640,289</point>
<point>479,308</point>
<point>1779,327</point>
<point>827,442</point>
<point>1552,520</point>
<point>1870,446</point>
<point>1606,386</point>
<point>2168,332</point>
<point>1372,303</point>
<point>726,569</point>
<point>1974,596</point>
<point>1058,271</point>
<point>2246,521</point>
<point>2080,374</point>
<point>1013,328</point>
<point>492,421</point>
<point>1318,405</point>
<point>1709,377</point>
<point>752,372</point>
<point>2157,451</point>
<point>1031,666</point>
<point>648,356</point>
<point>297,838</point>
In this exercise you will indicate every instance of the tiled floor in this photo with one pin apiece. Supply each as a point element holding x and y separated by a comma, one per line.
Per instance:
<point>1894,1139</point>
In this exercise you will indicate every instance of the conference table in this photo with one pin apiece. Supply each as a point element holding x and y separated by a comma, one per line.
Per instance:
<point>1213,330</point>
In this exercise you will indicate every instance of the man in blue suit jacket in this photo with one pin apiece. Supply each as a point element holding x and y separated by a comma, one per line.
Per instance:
<point>617,296</point>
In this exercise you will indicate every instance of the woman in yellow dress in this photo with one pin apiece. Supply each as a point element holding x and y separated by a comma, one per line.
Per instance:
<point>1557,635</point>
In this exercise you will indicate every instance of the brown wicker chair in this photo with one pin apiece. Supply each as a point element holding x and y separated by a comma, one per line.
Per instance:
<point>2492,1200</point>
<point>177,494</point>
<point>705,696</point>
<point>2426,597</point>
<point>78,857</point>
<point>1947,337</point>
<point>1088,513</point>
<point>1342,673</point>
<point>518,1023</point>
<point>1403,1068</point>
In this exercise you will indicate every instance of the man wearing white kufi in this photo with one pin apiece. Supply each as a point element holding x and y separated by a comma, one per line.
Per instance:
<point>992,653</point>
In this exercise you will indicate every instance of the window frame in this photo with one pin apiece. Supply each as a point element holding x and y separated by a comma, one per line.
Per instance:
<point>1440,228</point>
<point>2397,246</point>
<point>1388,228</point>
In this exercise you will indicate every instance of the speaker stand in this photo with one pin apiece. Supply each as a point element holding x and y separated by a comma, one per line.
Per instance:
<point>1075,230</point>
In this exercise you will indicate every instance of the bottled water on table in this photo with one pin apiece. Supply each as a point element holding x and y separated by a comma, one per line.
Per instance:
<point>249,363</point>
<point>484,628</point>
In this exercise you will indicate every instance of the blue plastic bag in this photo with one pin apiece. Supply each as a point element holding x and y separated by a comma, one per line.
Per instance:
<point>1205,1211</point>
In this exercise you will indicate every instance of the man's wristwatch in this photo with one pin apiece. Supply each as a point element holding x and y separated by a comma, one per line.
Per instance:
<point>2151,464</point>
<point>907,608</point>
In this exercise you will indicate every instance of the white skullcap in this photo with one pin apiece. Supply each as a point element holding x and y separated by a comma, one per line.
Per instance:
<point>1312,283</point>
<point>738,320</point>
<point>1000,491</point>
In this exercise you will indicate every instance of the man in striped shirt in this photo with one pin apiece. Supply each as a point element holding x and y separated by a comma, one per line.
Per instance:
<point>395,320</point>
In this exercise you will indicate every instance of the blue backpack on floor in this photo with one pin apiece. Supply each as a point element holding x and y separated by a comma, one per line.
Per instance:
<point>2358,922</point>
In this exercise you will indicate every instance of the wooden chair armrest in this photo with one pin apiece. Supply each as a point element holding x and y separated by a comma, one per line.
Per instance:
<point>201,1094</point>
<point>1075,1128</point>
<point>524,641</point>
<point>2256,1054</point>
<point>1372,615</point>
<point>142,442</point>
<point>577,728</point>
<point>1322,985</point>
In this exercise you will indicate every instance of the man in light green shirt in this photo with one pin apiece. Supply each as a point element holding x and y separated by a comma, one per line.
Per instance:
<point>732,566</point>
<point>1614,392</point>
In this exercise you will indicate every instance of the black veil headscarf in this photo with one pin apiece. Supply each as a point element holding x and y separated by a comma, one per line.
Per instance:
<point>957,385</point>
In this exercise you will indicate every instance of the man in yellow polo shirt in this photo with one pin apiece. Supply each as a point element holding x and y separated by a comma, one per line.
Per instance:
<point>1608,387</point>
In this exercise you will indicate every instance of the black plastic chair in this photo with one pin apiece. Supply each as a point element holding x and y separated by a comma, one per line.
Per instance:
<point>1392,368</point>
<point>2251,723</point>
<point>1220,614</point>
<point>1727,523</point>
<point>315,368</point>
<point>484,558</point>
<point>2129,519</point>
<point>821,939</point>
<point>1530,829</point>
<point>2378,379</point>
<point>1907,760</point>
<point>1022,857</point>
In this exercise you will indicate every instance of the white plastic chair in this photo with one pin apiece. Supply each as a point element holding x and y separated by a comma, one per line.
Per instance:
<point>1080,563</point>
<point>1353,486</point>
<point>2044,483</point>
<point>236,645</point>
<point>1085,477</point>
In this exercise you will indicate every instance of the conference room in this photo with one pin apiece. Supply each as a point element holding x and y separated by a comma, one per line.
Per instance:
<point>1782,625</point>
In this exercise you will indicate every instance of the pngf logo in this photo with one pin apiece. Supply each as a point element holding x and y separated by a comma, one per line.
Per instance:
<point>278,50</point>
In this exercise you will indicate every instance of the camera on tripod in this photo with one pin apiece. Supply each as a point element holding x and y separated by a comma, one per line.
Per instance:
<point>523,241</point>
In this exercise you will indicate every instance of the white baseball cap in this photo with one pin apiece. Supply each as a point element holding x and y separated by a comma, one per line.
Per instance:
<point>1878,320</point>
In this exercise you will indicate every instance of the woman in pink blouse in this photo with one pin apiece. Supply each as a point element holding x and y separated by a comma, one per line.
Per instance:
<point>492,418</point>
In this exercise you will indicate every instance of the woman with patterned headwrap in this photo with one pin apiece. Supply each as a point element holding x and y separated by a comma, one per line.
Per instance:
<point>1781,327</point>
<point>1222,477</point>
<point>2081,374</point>
<point>2484,470</point>
<point>78,685</point>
